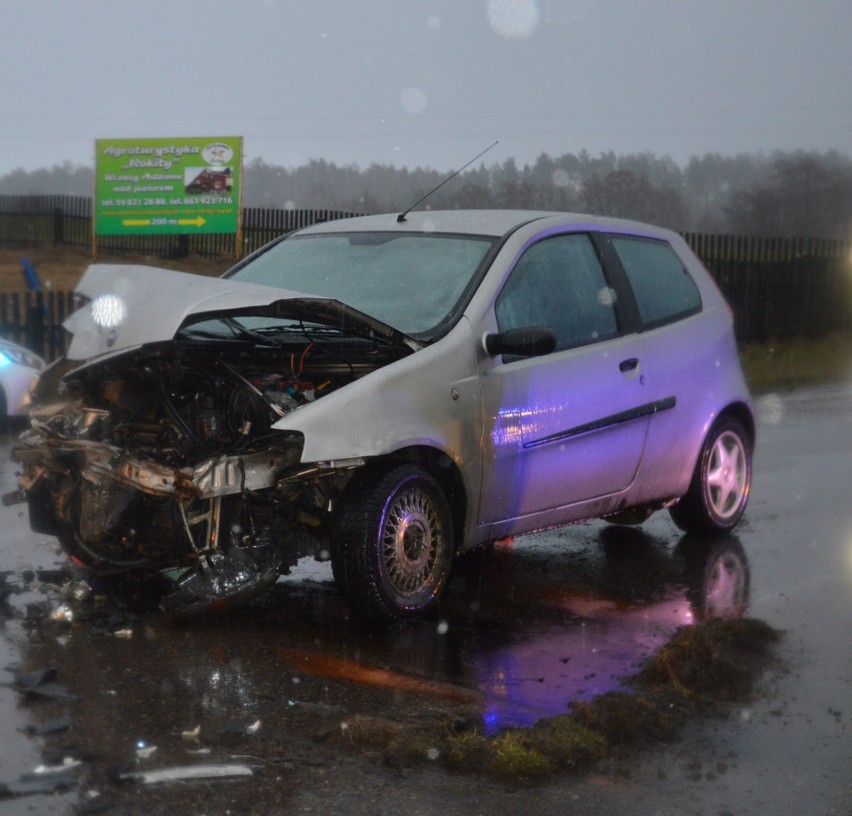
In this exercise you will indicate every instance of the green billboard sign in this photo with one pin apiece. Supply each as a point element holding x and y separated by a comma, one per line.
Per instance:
<point>167,186</point>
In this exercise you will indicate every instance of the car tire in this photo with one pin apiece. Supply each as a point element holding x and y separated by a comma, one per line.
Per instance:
<point>395,544</point>
<point>720,487</point>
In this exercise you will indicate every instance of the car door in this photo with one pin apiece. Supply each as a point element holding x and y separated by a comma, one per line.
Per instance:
<point>568,427</point>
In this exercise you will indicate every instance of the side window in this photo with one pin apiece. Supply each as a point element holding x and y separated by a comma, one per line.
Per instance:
<point>663,289</point>
<point>559,283</point>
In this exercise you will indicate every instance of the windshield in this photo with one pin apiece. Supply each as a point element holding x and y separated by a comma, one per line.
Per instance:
<point>414,282</point>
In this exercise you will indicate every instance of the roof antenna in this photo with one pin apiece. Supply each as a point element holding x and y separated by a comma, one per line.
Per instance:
<point>401,217</point>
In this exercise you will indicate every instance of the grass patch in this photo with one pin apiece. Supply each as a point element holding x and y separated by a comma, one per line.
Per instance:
<point>797,363</point>
<point>624,719</point>
<point>720,660</point>
<point>701,669</point>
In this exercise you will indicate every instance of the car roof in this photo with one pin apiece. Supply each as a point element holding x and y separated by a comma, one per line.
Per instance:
<point>494,223</point>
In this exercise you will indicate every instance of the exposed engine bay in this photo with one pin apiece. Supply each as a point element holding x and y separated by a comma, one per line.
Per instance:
<point>163,460</point>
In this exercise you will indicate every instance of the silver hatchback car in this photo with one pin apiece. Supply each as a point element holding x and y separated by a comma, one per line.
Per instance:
<point>387,392</point>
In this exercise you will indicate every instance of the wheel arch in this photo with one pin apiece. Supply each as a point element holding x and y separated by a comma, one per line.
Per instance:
<point>740,411</point>
<point>439,465</point>
<point>743,414</point>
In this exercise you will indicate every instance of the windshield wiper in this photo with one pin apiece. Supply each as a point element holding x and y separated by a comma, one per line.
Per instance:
<point>236,330</point>
<point>312,331</point>
<point>243,331</point>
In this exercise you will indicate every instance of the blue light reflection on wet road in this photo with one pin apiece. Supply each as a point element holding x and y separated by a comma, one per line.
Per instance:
<point>577,638</point>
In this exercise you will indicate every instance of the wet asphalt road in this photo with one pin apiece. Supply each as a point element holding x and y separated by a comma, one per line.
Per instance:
<point>540,622</point>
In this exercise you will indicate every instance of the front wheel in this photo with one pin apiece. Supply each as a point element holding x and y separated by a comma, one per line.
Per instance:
<point>395,544</point>
<point>718,494</point>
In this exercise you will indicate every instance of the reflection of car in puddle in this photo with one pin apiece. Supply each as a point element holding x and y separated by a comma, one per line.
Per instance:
<point>528,629</point>
<point>592,635</point>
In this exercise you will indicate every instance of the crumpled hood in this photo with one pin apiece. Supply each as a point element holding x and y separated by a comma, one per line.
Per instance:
<point>130,305</point>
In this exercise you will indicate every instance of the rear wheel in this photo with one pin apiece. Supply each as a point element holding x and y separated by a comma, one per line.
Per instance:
<point>718,494</point>
<point>395,544</point>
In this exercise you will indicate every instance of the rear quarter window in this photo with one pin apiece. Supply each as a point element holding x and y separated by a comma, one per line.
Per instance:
<point>663,288</point>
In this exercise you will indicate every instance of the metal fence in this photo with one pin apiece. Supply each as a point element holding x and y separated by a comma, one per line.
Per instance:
<point>34,320</point>
<point>777,287</point>
<point>781,287</point>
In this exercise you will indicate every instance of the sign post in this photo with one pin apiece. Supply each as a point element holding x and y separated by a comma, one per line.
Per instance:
<point>168,186</point>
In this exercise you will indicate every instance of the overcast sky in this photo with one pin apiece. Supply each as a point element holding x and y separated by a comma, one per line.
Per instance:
<point>426,82</point>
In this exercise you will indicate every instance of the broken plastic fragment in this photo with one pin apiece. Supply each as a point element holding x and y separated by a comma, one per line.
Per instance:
<point>50,691</point>
<point>44,779</point>
<point>238,727</point>
<point>188,772</point>
<point>35,678</point>
<point>50,727</point>
<point>67,764</point>
<point>224,580</point>
<point>63,613</point>
<point>43,783</point>
<point>40,684</point>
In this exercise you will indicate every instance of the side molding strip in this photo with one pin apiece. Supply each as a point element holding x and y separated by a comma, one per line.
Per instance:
<point>606,422</point>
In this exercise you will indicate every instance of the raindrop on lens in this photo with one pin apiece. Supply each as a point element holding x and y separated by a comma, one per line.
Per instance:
<point>560,178</point>
<point>413,100</point>
<point>770,409</point>
<point>108,311</point>
<point>513,19</point>
<point>606,296</point>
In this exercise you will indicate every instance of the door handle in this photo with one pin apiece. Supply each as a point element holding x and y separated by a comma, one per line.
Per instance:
<point>628,365</point>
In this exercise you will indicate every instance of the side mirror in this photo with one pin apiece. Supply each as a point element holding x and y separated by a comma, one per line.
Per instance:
<point>529,341</point>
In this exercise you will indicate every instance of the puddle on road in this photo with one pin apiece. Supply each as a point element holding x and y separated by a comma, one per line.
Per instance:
<point>320,664</point>
<point>592,632</point>
<point>533,627</point>
<point>525,630</point>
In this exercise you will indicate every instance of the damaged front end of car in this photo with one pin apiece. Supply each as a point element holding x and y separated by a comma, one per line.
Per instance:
<point>160,458</point>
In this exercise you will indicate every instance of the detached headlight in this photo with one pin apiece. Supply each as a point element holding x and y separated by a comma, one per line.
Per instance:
<point>21,356</point>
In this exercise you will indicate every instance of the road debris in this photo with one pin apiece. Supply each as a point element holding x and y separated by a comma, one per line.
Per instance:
<point>42,684</point>
<point>44,779</point>
<point>187,773</point>
<point>144,751</point>
<point>54,726</point>
<point>241,728</point>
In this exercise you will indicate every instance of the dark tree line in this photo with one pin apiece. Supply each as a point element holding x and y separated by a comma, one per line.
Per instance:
<point>784,194</point>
